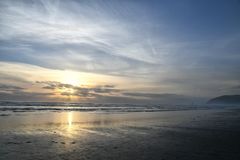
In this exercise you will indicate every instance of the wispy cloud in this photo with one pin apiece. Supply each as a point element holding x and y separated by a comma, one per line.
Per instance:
<point>79,32</point>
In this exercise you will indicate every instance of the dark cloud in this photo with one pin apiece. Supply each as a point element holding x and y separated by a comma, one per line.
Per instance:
<point>109,86</point>
<point>54,85</point>
<point>101,93</point>
<point>237,87</point>
<point>82,91</point>
<point>164,98</point>
<point>151,95</point>
<point>26,96</point>
<point>4,87</point>
<point>109,93</point>
<point>16,93</point>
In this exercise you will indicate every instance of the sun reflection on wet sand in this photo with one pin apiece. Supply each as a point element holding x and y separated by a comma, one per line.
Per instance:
<point>70,119</point>
<point>69,122</point>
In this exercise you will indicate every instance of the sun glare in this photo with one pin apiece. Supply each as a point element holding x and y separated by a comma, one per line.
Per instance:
<point>70,77</point>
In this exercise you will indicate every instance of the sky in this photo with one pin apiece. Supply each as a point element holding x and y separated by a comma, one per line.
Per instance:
<point>119,51</point>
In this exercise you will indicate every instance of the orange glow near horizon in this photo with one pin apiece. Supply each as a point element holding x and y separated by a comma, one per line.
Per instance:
<point>35,79</point>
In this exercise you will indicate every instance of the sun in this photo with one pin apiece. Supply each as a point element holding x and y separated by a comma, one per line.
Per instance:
<point>73,78</point>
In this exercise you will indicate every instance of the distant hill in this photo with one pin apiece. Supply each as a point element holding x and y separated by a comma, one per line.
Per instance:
<point>225,99</point>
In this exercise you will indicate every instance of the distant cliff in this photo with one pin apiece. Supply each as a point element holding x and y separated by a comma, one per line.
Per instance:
<point>226,99</point>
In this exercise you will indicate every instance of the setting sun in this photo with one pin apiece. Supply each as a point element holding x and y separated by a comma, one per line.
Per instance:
<point>73,78</point>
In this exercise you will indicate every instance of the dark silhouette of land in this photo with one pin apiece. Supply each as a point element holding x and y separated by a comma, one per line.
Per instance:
<point>225,99</point>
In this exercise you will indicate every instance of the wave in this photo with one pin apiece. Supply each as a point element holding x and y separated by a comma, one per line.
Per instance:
<point>104,107</point>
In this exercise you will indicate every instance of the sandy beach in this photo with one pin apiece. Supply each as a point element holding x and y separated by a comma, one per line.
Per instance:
<point>166,135</point>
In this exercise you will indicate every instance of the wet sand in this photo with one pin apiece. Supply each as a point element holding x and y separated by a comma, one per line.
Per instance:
<point>167,135</point>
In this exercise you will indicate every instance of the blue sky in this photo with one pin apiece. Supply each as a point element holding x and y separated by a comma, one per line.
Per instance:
<point>187,49</point>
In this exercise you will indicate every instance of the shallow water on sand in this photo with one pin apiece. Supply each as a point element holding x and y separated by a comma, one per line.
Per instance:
<point>192,134</point>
